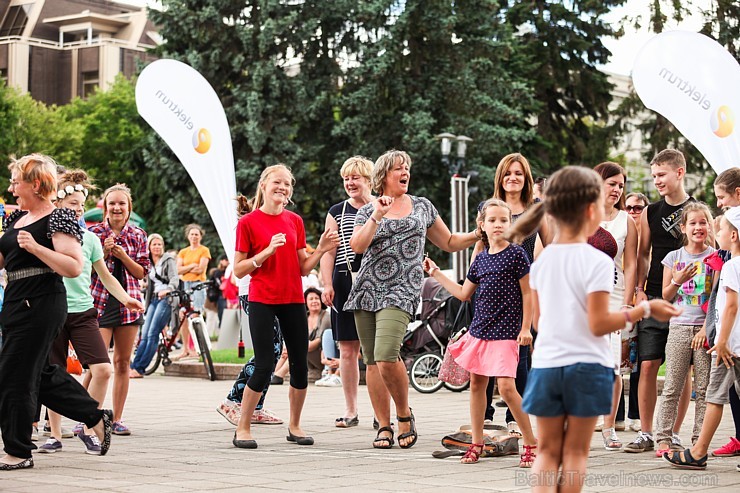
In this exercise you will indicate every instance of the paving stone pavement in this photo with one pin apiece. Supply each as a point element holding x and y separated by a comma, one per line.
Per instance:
<point>181,444</point>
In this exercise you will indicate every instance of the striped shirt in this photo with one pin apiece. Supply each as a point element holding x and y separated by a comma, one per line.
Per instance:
<point>346,223</point>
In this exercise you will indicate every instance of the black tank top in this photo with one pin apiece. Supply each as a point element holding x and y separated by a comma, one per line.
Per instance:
<point>665,236</point>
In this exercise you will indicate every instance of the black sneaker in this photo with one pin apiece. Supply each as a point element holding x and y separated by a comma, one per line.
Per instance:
<point>92,444</point>
<point>51,446</point>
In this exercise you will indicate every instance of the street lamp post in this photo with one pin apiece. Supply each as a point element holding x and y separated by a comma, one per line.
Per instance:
<point>459,194</point>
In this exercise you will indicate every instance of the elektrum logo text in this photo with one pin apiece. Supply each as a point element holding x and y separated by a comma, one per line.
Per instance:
<point>175,109</point>
<point>202,140</point>
<point>686,87</point>
<point>722,121</point>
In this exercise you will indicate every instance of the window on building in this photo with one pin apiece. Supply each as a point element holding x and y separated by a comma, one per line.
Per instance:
<point>90,82</point>
<point>15,20</point>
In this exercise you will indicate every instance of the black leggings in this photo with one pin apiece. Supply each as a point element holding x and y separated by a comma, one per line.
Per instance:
<point>294,327</point>
<point>29,328</point>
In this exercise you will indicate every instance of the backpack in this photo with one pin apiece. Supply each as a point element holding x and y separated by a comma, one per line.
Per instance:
<point>213,292</point>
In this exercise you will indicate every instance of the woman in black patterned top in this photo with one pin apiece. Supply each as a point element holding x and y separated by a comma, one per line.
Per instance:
<point>391,232</point>
<point>337,267</point>
<point>40,245</point>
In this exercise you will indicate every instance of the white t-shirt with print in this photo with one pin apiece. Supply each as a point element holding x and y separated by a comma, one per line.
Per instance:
<point>563,276</point>
<point>729,278</point>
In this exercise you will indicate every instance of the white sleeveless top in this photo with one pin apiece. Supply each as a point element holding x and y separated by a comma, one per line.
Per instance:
<point>617,227</point>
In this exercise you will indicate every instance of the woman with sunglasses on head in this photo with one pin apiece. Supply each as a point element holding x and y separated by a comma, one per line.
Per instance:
<point>634,203</point>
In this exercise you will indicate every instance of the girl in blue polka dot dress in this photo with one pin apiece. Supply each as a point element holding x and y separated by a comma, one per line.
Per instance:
<point>503,316</point>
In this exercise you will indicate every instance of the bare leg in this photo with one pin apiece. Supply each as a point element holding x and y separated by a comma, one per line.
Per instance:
<point>550,436</point>
<point>349,370</point>
<point>124,338</point>
<point>397,382</point>
<point>379,397</point>
<point>98,385</point>
<point>575,452</point>
<point>249,403</point>
<point>648,393</point>
<point>507,388</point>
<point>297,398</point>
<point>478,384</point>
<point>616,395</point>
<point>712,419</point>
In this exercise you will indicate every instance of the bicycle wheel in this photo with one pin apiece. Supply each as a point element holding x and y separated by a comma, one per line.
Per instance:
<point>424,373</point>
<point>205,353</point>
<point>156,360</point>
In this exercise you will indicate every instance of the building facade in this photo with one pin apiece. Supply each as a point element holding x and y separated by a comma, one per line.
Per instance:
<point>60,49</point>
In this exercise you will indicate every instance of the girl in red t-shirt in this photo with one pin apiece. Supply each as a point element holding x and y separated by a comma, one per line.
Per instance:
<point>271,248</point>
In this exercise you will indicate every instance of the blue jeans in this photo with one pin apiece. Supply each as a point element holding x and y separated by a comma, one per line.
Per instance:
<point>157,316</point>
<point>328,345</point>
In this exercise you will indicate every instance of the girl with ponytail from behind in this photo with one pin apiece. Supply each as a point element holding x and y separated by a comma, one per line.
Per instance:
<point>570,384</point>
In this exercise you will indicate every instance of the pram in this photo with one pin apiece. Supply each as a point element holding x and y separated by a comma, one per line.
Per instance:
<point>424,343</point>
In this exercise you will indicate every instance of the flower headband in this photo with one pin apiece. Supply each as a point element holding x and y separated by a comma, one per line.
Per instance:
<point>69,189</point>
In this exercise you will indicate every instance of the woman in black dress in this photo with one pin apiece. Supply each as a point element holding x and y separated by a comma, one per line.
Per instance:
<point>40,245</point>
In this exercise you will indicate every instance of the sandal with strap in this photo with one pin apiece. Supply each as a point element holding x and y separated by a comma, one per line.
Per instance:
<point>688,462</point>
<point>611,440</point>
<point>472,455</point>
<point>409,434</point>
<point>387,441</point>
<point>528,457</point>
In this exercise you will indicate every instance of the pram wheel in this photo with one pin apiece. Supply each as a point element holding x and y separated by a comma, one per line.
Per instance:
<point>424,373</point>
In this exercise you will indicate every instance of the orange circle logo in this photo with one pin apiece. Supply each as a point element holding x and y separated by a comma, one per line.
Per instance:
<point>722,122</point>
<point>202,141</point>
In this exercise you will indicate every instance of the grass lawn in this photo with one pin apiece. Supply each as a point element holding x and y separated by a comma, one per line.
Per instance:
<point>230,356</point>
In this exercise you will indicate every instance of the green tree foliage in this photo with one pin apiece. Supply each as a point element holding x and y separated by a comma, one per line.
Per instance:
<point>311,86</point>
<point>103,135</point>
<point>563,41</point>
<point>431,66</point>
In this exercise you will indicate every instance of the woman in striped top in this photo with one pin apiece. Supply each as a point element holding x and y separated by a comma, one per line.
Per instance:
<point>337,267</point>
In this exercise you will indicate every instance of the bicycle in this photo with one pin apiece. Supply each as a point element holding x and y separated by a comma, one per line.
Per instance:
<point>185,313</point>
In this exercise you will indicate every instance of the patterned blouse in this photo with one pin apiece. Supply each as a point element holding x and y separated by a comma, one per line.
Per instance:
<point>133,241</point>
<point>391,273</point>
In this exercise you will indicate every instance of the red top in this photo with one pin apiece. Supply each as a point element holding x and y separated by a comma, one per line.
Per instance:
<point>278,281</point>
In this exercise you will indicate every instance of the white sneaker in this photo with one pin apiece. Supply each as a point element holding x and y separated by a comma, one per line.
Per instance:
<point>323,381</point>
<point>635,425</point>
<point>333,381</point>
<point>599,426</point>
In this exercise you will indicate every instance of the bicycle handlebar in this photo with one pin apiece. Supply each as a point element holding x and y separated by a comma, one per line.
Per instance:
<point>188,292</point>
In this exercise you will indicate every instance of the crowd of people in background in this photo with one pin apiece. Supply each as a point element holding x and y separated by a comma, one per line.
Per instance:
<point>574,286</point>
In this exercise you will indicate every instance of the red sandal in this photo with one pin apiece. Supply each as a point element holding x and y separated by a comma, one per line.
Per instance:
<point>473,454</point>
<point>528,457</point>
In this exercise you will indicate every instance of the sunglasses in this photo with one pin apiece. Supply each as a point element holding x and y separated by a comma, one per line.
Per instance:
<point>634,208</point>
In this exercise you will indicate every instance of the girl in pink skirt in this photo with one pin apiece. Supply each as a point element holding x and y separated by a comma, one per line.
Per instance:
<point>502,320</point>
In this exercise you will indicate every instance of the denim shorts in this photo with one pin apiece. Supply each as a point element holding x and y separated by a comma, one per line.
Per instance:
<point>582,390</point>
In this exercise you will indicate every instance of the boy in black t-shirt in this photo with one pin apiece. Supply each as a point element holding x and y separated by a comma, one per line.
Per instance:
<point>660,233</point>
